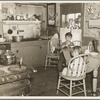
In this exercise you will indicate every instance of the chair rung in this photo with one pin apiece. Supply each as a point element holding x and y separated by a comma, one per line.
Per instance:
<point>77,92</point>
<point>63,92</point>
<point>65,85</point>
<point>78,85</point>
<point>80,88</point>
<point>61,86</point>
<point>52,66</point>
<point>80,82</point>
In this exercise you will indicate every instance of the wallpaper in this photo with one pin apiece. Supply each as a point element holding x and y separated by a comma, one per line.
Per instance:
<point>91,12</point>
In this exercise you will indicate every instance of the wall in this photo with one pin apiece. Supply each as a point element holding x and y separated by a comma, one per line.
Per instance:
<point>91,14</point>
<point>0,23</point>
<point>0,19</point>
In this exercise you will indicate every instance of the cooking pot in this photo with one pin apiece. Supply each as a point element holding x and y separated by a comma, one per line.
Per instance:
<point>8,58</point>
<point>11,58</point>
<point>17,38</point>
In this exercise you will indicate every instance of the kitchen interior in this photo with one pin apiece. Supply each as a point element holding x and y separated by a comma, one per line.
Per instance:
<point>25,30</point>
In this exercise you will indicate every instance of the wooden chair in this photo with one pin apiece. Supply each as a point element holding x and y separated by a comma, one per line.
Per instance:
<point>75,77</point>
<point>51,57</point>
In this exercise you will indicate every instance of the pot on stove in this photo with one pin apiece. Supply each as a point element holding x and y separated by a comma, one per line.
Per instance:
<point>11,58</point>
<point>8,58</point>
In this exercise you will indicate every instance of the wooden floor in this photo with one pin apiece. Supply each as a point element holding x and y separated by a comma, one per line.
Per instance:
<point>45,82</point>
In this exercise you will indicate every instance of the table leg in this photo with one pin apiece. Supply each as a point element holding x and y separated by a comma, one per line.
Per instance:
<point>95,74</point>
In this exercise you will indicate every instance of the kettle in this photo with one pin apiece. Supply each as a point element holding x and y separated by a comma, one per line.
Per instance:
<point>11,58</point>
<point>7,58</point>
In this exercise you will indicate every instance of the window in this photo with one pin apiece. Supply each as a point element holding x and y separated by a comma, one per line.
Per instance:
<point>71,15</point>
<point>71,20</point>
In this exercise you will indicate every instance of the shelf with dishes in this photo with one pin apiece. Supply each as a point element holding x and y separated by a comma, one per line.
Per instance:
<point>20,22</point>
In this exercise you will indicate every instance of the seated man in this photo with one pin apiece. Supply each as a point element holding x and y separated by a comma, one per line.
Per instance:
<point>66,50</point>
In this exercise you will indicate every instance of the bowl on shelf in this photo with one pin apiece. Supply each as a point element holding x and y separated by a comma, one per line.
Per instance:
<point>17,38</point>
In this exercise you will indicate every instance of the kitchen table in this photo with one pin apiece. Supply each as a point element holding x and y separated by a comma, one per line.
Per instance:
<point>93,65</point>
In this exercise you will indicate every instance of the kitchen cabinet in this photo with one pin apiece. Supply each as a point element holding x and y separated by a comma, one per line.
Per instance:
<point>33,52</point>
<point>31,55</point>
<point>30,29</point>
<point>43,53</point>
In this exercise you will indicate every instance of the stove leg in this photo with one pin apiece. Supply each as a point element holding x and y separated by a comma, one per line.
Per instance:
<point>95,74</point>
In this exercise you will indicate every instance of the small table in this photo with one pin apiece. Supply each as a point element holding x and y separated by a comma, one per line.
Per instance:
<point>94,63</point>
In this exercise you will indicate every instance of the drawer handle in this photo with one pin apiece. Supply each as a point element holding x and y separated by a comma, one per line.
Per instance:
<point>40,47</point>
<point>17,51</point>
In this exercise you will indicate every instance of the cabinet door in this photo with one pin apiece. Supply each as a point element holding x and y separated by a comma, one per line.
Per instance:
<point>18,51</point>
<point>43,54</point>
<point>32,55</point>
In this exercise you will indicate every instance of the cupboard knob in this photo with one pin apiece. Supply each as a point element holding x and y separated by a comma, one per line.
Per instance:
<point>17,51</point>
<point>40,47</point>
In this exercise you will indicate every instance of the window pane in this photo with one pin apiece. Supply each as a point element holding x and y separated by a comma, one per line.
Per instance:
<point>71,20</point>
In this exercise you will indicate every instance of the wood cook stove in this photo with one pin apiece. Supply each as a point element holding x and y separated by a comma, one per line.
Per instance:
<point>14,82</point>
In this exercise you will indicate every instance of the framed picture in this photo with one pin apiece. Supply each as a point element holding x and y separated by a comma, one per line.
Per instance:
<point>51,14</point>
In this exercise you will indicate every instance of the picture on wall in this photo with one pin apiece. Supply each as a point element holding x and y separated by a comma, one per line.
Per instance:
<point>51,11</point>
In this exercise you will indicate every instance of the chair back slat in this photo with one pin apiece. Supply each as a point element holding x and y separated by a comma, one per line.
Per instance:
<point>51,44</point>
<point>77,66</point>
<point>77,43</point>
<point>49,47</point>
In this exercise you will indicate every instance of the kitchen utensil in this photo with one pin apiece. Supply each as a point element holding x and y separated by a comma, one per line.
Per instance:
<point>10,31</point>
<point>17,38</point>
<point>21,61</point>
<point>95,45</point>
<point>8,58</point>
<point>11,58</point>
<point>18,17</point>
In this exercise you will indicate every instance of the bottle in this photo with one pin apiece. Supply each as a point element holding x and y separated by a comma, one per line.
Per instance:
<point>90,46</point>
